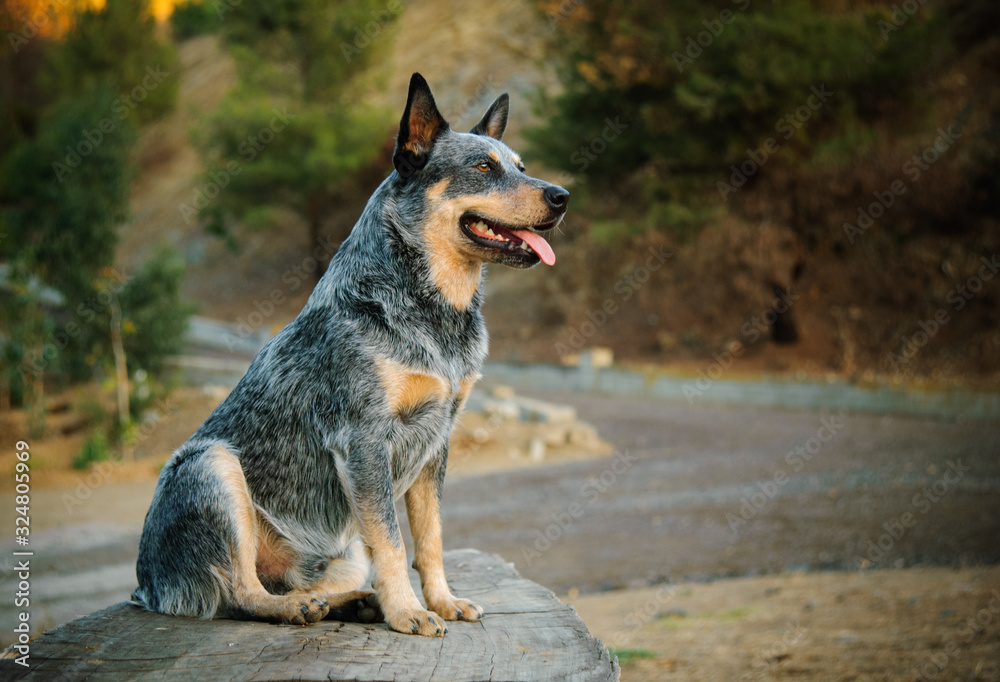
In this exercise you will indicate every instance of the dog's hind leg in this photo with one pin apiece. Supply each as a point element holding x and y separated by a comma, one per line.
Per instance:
<point>247,598</point>
<point>424,512</point>
<point>339,585</point>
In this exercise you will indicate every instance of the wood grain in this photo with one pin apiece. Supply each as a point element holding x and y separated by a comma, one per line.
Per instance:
<point>527,634</point>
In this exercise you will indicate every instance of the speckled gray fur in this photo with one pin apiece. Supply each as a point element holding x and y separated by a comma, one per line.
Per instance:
<point>309,420</point>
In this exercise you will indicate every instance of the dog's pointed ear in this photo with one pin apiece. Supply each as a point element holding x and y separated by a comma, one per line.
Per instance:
<point>494,121</point>
<point>420,126</point>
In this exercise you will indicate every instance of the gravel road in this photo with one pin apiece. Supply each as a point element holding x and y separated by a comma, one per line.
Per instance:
<point>694,492</point>
<point>709,491</point>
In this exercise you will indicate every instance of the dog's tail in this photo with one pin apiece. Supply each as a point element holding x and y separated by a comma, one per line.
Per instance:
<point>140,599</point>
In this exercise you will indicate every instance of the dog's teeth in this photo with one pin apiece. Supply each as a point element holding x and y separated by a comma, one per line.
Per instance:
<point>524,246</point>
<point>489,232</point>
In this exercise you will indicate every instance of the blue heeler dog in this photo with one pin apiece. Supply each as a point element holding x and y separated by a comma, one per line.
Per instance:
<point>280,507</point>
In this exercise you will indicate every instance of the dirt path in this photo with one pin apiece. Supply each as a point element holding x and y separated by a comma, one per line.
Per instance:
<point>913,624</point>
<point>880,493</point>
<point>709,491</point>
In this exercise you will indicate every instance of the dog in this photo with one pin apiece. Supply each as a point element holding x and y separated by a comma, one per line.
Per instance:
<point>280,507</point>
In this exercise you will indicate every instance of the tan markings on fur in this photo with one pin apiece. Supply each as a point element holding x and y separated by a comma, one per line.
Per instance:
<point>230,472</point>
<point>406,388</point>
<point>455,274</point>
<point>273,558</point>
<point>423,127</point>
<point>493,155</point>
<point>435,192</point>
<point>515,158</point>
<point>522,207</point>
<point>422,508</point>
<point>423,511</point>
<point>390,579</point>
<point>465,387</point>
<point>246,591</point>
<point>456,267</point>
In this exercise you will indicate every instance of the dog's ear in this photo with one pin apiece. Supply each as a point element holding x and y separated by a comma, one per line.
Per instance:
<point>494,121</point>
<point>420,126</point>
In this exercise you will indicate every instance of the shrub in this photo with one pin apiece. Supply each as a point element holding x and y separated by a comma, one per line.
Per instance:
<point>194,18</point>
<point>95,449</point>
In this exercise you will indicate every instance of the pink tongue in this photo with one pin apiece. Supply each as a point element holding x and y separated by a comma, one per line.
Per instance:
<point>537,244</point>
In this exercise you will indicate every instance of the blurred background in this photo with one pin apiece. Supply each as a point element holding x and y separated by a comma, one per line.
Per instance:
<point>755,402</point>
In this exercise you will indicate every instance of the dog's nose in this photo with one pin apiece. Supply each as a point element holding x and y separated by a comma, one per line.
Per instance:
<point>556,197</point>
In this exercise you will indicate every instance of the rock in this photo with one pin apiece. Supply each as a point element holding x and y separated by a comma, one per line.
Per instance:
<point>502,392</point>
<point>536,450</point>
<point>505,410</point>
<point>597,357</point>
<point>555,435</point>
<point>583,435</point>
<point>532,410</point>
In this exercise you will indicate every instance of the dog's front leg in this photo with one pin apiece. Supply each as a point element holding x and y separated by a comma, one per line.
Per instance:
<point>423,508</point>
<point>369,485</point>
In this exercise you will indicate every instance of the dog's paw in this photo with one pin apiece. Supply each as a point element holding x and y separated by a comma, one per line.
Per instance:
<point>453,608</point>
<point>360,606</point>
<point>306,608</point>
<point>416,622</point>
<point>369,610</point>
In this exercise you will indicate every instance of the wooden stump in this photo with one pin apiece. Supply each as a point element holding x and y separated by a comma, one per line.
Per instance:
<point>527,634</point>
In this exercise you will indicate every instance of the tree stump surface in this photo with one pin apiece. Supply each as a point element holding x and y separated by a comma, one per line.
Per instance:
<point>527,634</point>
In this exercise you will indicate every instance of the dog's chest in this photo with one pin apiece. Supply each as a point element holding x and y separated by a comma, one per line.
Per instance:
<point>422,406</point>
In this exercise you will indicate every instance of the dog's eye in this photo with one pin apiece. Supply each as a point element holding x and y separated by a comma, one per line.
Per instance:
<point>484,167</point>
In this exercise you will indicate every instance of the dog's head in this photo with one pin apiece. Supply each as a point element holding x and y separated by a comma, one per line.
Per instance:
<point>476,202</point>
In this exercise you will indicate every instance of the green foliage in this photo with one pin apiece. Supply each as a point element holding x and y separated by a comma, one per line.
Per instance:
<point>326,43</point>
<point>289,137</point>
<point>116,47</point>
<point>59,208</point>
<point>95,449</point>
<point>311,159</point>
<point>626,656</point>
<point>64,190</point>
<point>194,18</point>
<point>154,318</point>
<point>692,110</point>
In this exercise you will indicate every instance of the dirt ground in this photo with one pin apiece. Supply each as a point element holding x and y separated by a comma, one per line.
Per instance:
<point>650,559</point>
<point>914,624</point>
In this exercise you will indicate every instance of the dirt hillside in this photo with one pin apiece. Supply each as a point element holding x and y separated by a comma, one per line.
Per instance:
<point>701,304</point>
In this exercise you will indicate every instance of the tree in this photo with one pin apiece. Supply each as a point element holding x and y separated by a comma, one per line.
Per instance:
<point>116,46</point>
<point>58,211</point>
<point>195,17</point>
<point>290,136</point>
<point>64,190</point>
<point>697,88</point>
<point>154,317</point>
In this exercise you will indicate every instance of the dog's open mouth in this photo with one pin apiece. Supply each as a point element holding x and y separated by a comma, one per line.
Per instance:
<point>509,239</point>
